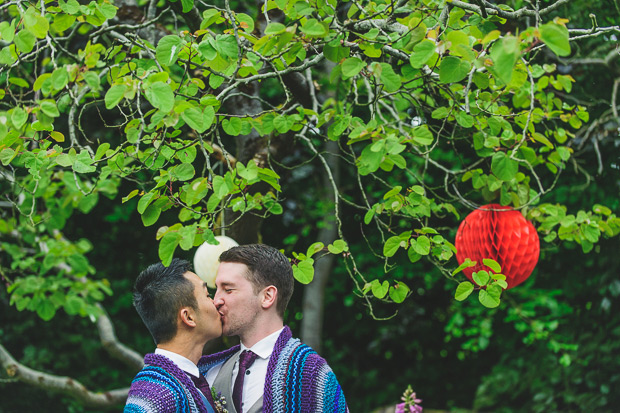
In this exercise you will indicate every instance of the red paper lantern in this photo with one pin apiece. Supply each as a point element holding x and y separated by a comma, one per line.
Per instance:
<point>502,234</point>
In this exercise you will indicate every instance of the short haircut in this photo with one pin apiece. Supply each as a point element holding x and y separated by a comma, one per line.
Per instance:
<point>267,266</point>
<point>159,293</point>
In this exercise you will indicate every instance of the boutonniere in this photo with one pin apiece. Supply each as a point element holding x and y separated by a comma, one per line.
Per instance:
<point>219,401</point>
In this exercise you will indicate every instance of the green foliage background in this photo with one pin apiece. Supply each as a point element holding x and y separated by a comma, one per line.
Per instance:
<point>100,143</point>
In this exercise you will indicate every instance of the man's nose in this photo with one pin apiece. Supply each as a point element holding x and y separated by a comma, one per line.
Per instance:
<point>217,300</point>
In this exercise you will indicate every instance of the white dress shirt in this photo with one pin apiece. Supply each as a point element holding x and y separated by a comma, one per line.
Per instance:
<point>254,382</point>
<point>184,364</point>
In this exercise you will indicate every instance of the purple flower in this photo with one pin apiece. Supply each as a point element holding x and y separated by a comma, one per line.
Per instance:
<point>411,404</point>
<point>400,408</point>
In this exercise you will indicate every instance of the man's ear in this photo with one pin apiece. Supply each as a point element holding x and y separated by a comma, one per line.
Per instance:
<point>270,295</point>
<point>187,316</point>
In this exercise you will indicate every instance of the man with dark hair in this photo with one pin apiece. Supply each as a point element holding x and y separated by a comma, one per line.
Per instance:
<point>175,306</point>
<point>270,371</point>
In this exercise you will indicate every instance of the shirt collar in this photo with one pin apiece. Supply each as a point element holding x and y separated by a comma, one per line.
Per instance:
<point>264,347</point>
<point>183,363</point>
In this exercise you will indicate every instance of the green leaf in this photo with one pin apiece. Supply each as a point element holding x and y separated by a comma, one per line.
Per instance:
<point>183,172</point>
<point>466,264</point>
<point>232,126</point>
<point>187,5</point>
<point>314,248</point>
<point>490,297</point>
<point>151,214</point>
<point>440,113</point>
<point>464,119</point>
<point>87,203</point>
<point>335,52</point>
<point>463,290</point>
<point>422,136</point>
<point>313,27</point>
<point>399,292</point>
<point>303,271</point>
<point>18,117</point>
<point>49,108</point>
<point>81,167</point>
<point>556,37</point>
<point>114,95</point>
<point>73,305</point>
<point>196,119</point>
<point>19,82</point>
<point>391,81</point>
<point>46,310</point>
<point>422,245</point>
<point>7,31</point>
<point>35,23</point>
<point>380,289</point>
<point>145,201</point>
<point>62,22</point>
<point>392,245</point>
<point>161,96</point>
<point>274,28</point>
<point>168,49</point>
<point>7,155</point>
<point>413,255</point>
<point>70,7</point>
<point>492,264</point>
<point>131,195</point>
<point>503,167</point>
<point>101,150</point>
<point>338,247</point>
<point>188,234</point>
<point>246,22</point>
<point>421,53</point>
<point>25,41</point>
<point>481,277</point>
<point>60,78</point>
<point>8,55</point>
<point>206,49</point>
<point>227,46</point>
<point>352,66</point>
<point>504,54</point>
<point>453,69</point>
<point>167,245</point>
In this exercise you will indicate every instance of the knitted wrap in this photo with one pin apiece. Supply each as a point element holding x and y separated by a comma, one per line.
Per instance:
<point>298,379</point>
<point>161,386</point>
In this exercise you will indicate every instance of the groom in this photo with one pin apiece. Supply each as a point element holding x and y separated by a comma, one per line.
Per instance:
<point>178,312</point>
<point>270,371</point>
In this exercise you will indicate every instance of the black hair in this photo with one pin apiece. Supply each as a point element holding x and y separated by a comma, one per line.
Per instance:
<point>159,293</point>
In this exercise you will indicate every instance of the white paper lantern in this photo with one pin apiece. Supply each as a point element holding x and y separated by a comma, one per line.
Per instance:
<point>206,258</point>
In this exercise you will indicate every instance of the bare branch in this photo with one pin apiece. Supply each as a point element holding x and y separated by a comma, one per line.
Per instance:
<point>493,10</point>
<point>114,347</point>
<point>61,384</point>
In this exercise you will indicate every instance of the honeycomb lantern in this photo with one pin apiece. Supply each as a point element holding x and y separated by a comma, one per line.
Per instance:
<point>206,258</point>
<point>502,234</point>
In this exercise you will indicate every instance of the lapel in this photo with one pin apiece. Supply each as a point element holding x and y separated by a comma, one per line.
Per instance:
<point>223,383</point>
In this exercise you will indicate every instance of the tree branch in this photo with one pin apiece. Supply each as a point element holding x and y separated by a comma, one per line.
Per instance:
<point>61,384</point>
<point>114,347</point>
<point>496,11</point>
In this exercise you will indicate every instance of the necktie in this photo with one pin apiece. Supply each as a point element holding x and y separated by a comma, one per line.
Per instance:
<point>245,360</point>
<point>202,385</point>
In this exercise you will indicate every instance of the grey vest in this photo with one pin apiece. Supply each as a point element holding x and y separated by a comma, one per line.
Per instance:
<point>223,383</point>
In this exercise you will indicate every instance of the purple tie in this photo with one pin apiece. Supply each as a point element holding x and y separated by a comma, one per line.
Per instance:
<point>245,360</point>
<point>202,385</point>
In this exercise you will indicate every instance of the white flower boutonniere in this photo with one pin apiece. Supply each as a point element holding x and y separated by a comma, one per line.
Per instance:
<point>219,401</point>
